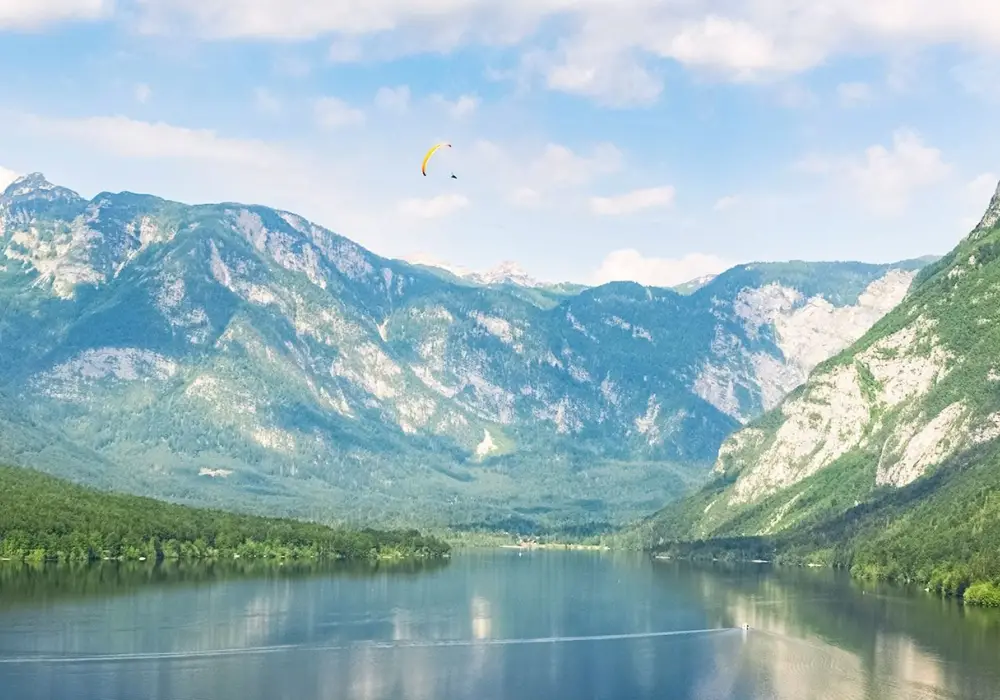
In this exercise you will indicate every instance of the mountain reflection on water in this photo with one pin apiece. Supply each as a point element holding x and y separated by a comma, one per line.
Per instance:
<point>485,625</point>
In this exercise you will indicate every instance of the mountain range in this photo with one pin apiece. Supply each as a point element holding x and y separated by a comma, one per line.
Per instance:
<point>241,356</point>
<point>887,459</point>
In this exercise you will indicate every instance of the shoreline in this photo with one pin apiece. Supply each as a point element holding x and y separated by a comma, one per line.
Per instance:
<point>558,545</point>
<point>981,594</point>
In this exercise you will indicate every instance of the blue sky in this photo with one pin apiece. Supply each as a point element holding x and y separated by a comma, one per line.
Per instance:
<point>654,140</point>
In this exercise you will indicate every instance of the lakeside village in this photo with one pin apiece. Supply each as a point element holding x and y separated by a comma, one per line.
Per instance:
<point>533,543</point>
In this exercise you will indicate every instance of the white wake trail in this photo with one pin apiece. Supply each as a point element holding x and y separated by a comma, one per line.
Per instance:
<point>237,651</point>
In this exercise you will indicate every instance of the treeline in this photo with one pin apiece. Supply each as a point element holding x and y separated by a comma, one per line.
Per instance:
<point>45,518</point>
<point>949,576</point>
<point>941,532</point>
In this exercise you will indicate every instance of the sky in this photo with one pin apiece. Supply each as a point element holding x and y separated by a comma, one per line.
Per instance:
<point>592,140</point>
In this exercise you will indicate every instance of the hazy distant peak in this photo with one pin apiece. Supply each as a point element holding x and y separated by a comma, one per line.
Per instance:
<point>507,272</point>
<point>36,185</point>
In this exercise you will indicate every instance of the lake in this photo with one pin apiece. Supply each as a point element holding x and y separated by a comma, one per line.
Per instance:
<point>485,625</point>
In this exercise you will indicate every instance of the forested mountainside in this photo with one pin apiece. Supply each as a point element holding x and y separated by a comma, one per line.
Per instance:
<point>45,518</point>
<point>887,459</point>
<point>240,356</point>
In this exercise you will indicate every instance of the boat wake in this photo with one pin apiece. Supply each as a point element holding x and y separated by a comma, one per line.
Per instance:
<point>405,644</point>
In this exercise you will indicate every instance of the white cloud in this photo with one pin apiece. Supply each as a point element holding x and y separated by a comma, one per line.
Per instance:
<point>634,201</point>
<point>488,151</point>
<point>613,77</point>
<point>265,102</point>
<point>344,50</point>
<point>393,99</point>
<point>465,105</point>
<point>462,107</point>
<point>291,66</point>
<point>525,173</point>
<point>906,72</point>
<point>35,14</point>
<point>139,139</point>
<point>433,208</point>
<point>982,188</point>
<point>743,49</point>
<point>560,166</point>
<point>815,164</point>
<point>889,177</point>
<point>7,177</point>
<point>796,96</point>
<point>980,77</point>
<point>606,49</point>
<point>631,265</point>
<point>347,20</point>
<point>979,193</point>
<point>727,202</point>
<point>422,258</point>
<point>525,197</point>
<point>333,113</point>
<point>850,94</point>
<point>886,178</point>
<point>142,93</point>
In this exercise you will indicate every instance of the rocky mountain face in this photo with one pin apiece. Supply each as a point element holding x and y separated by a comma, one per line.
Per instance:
<point>242,356</point>
<point>903,420</point>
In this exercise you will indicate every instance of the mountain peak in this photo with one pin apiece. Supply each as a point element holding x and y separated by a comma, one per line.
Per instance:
<point>33,181</point>
<point>992,214</point>
<point>507,272</point>
<point>35,185</point>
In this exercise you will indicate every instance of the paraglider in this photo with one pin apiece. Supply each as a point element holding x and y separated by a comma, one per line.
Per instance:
<point>434,148</point>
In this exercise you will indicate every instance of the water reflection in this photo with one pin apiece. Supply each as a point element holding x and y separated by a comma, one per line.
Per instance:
<point>444,631</point>
<point>480,617</point>
<point>812,630</point>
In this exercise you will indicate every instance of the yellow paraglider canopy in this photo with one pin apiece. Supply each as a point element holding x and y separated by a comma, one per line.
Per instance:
<point>423,166</point>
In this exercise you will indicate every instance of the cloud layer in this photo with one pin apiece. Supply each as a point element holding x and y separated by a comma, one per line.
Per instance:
<point>609,53</point>
<point>30,15</point>
<point>133,138</point>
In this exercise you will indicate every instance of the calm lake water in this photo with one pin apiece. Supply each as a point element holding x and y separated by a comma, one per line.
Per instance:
<point>485,625</point>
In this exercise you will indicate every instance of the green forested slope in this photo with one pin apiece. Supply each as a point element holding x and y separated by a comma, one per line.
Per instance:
<point>42,517</point>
